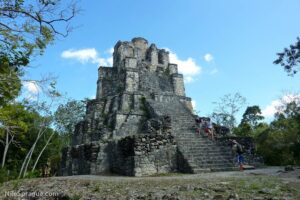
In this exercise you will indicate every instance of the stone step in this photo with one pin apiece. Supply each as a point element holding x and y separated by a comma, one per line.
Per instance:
<point>193,139</point>
<point>211,164</point>
<point>183,119</point>
<point>193,136</point>
<point>180,128</point>
<point>214,169</point>
<point>201,147</point>
<point>216,156</point>
<point>200,159</point>
<point>187,125</point>
<point>211,159</point>
<point>204,147</point>
<point>211,154</point>
<point>203,161</point>
<point>205,157</point>
<point>207,154</point>
<point>202,154</point>
<point>199,143</point>
<point>187,120</point>
<point>214,166</point>
<point>179,125</point>
<point>205,151</point>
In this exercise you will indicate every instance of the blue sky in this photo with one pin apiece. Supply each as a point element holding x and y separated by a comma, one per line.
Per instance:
<point>221,46</point>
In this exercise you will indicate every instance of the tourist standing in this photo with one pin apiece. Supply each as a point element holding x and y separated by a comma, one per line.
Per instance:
<point>238,150</point>
<point>209,129</point>
<point>198,124</point>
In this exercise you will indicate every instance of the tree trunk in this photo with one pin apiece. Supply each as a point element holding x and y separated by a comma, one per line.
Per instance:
<point>24,162</point>
<point>41,132</point>
<point>7,143</point>
<point>27,159</point>
<point>40,154</point>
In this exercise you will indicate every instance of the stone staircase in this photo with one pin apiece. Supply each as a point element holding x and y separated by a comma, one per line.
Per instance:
<point>199,152</point>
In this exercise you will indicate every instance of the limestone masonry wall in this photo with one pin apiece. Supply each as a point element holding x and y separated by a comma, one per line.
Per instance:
<point>144,155</point>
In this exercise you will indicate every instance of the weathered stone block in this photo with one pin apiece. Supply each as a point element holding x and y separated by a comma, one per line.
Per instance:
<point>126,103</point>
<point>140,43</point>
<point>173,69</point>
<point>178,84</point>
<point>130,63</point>
<point>121,51</point>
<point>140,48</point>
<point>152,56</point>
<point>163,57</point>
<point>120,119</point>
<point>132,81</point>
<point>188,103</point>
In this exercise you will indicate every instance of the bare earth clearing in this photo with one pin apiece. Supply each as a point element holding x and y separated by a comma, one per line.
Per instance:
<point>265,183</point>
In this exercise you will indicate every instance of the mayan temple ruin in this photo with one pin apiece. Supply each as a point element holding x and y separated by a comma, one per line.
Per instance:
<point>141,122</point>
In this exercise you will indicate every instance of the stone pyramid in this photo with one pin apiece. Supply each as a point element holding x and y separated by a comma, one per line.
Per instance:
<point>141,123</point>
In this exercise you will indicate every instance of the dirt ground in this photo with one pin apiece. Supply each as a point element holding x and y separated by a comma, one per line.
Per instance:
<point>279,172</point>
<point>264,183</point>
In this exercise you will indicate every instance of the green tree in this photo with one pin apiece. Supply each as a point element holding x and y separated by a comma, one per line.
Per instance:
<point>280,143</point>
<point>43,126</point>
<point>249,122</point>
<point>23,124</point>
<point>10,83</point>
<point>67,116</point>
<point>226,109</point>
<point>12,126</point>
<point>289,59</point>
<point>252,116</point>
<point>243,129</point>
<point>26,28</point>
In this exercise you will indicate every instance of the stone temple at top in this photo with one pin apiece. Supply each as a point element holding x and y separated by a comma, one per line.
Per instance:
<point>141,123</point>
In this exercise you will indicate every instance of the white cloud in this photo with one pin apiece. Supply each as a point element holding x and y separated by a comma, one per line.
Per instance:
<point>82,55</point>
<point>110,61</point>
<point>278,104</point>
<point>188,67</point>
<point>208,57</point>
<point>270,110</point>
<point>31,90</point>
<point>110,50</point>
<point>194,104</point>
<point>87,55</point>
<point>31,86</point>
<point>188,79</point>
<point>214,71</point>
